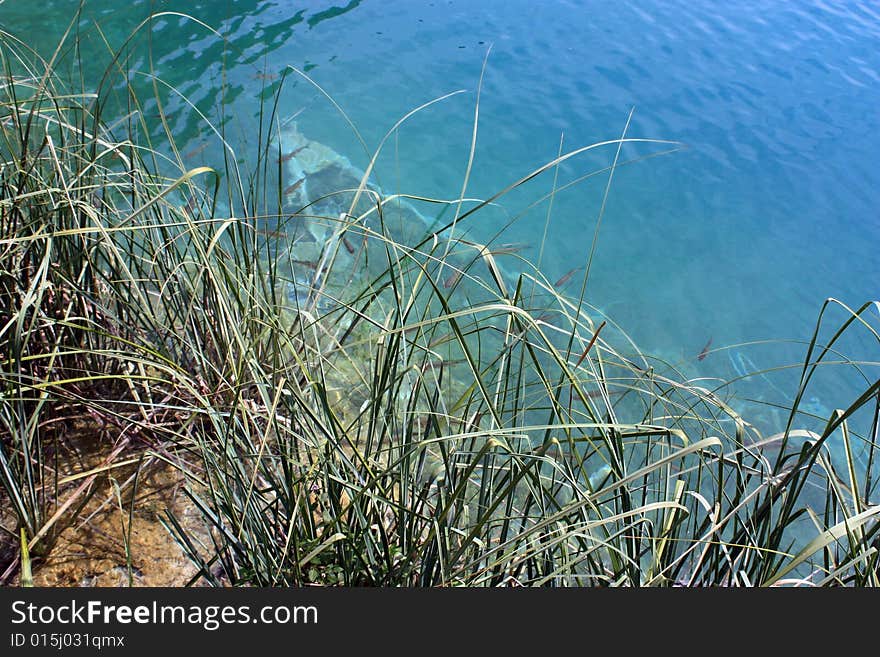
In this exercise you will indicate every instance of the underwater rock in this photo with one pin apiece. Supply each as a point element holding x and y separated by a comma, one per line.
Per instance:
<point>404,222</point>
<point>321,187</point>
<point>298,293</point>
<point>333,188</point>
<point>304,251</point>
<point>302,158</point>
<point>320,179</point>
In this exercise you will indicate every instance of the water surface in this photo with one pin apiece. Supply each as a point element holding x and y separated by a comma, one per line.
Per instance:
<point>769,208</point>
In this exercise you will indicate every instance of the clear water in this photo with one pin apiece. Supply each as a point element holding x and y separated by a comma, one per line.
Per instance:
<point>771,207</point>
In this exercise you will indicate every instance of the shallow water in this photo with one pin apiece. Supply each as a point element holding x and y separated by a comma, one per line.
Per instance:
<point>770,207</point>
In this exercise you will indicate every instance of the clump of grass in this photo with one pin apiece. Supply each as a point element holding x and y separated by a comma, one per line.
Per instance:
<point>83,340</point>
<point>405,410</point>
<point>58,189</point>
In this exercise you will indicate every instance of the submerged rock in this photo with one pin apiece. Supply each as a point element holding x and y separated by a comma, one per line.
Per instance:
<point>303,158</point>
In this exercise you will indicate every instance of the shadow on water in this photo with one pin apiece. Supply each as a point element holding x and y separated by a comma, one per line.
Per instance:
<point>332,12</point>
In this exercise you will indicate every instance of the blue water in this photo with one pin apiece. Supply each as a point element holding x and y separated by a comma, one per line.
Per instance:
<point>770,207</point>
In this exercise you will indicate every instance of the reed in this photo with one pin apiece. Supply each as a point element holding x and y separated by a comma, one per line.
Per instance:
<point>406,409</point>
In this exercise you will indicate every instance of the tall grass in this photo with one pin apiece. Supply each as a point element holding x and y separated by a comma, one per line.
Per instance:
<point>410,407</point>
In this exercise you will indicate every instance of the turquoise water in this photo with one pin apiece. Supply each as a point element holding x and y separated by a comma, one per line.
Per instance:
<point>770,207</point>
